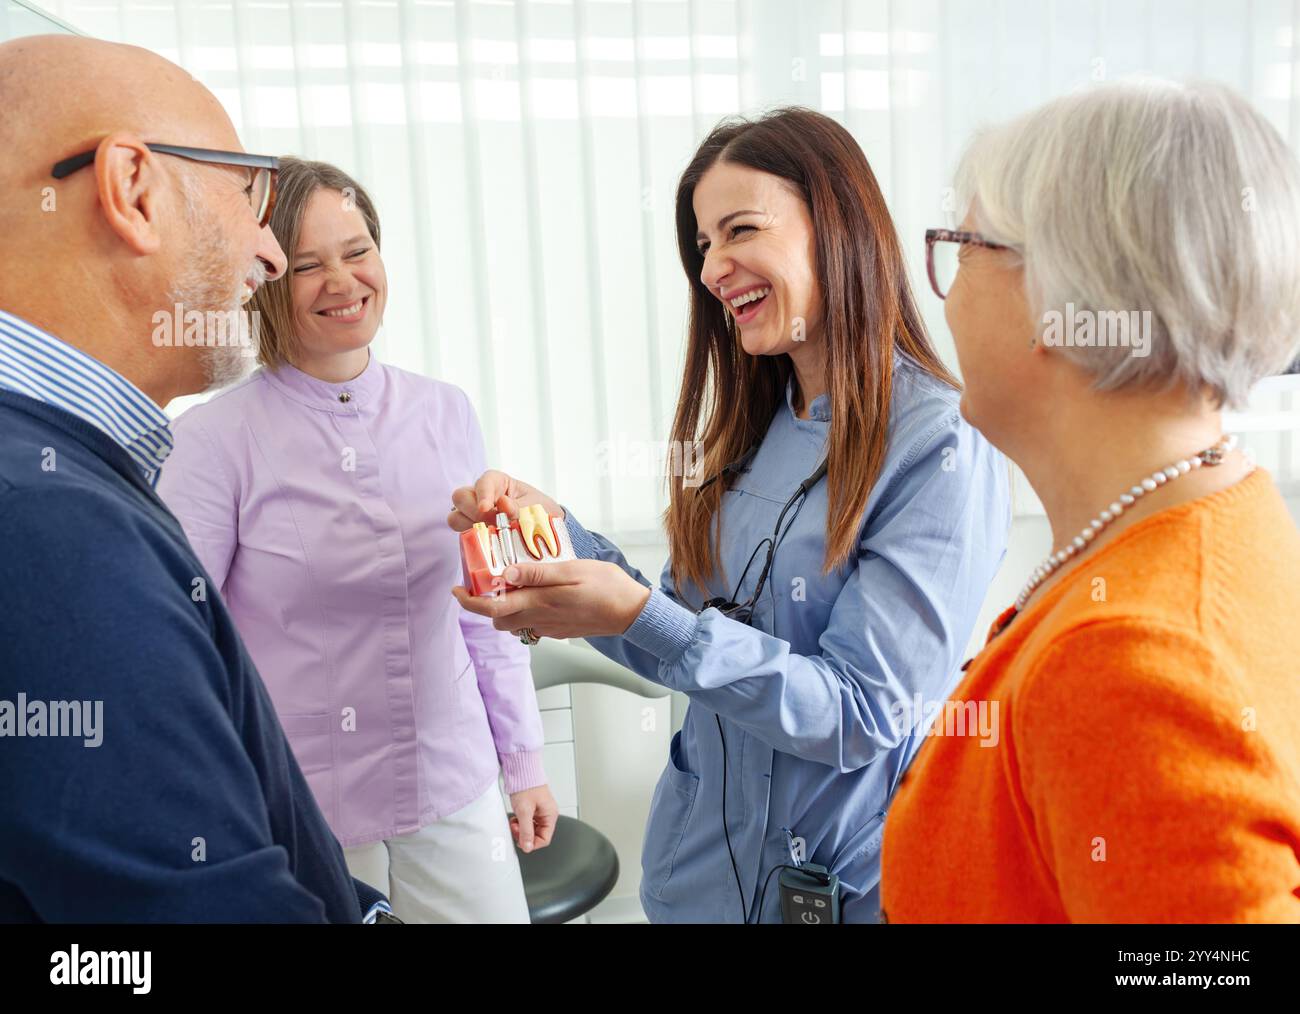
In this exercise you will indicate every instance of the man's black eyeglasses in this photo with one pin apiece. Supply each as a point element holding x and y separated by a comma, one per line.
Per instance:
<point>261,191</point>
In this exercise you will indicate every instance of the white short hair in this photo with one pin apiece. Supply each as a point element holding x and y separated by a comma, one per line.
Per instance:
<point>1146,195</point>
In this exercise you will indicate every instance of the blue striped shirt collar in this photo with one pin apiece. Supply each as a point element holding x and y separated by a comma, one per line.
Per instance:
<point>40,366</point>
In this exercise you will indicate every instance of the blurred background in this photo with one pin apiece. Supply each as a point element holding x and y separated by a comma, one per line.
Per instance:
<point>524,157</point>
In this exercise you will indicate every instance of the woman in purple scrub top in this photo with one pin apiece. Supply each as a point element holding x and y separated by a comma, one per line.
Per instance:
<point>312,492</point>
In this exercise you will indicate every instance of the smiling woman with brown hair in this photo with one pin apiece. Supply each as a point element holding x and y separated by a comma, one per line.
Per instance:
<point>803,618</point>
<point>735,379</point>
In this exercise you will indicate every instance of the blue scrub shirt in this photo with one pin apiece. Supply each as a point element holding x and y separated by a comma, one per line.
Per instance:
<point>818,697</point>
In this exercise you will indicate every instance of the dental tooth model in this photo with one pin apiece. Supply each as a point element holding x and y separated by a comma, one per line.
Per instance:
<point>487,550</point>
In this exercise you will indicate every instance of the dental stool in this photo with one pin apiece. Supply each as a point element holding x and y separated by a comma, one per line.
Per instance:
<point>576,872</point>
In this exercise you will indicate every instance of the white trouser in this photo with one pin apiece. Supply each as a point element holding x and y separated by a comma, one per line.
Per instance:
<point>461,868</point>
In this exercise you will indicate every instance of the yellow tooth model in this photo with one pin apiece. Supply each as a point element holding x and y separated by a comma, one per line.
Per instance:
<point>535,523</point>
<point>486,550</point>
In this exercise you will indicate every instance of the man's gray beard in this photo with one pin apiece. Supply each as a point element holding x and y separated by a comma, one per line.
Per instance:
<point>223,365</point>
<point>200,288</point>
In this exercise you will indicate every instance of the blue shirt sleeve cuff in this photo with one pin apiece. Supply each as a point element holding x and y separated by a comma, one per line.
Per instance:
<point>584,546</point>
<point>664,628</point>
<point>375,909</point>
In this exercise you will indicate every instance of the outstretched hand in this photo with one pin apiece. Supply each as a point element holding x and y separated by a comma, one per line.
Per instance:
<point>573,598</point>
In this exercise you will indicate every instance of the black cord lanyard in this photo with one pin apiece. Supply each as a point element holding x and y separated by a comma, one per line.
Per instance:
<point>744,613</point>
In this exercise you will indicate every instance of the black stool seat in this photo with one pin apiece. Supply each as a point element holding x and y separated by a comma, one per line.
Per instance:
<point>571,876</point>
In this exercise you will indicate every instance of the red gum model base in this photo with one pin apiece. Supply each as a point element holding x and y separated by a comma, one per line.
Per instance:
<point>476,568</point>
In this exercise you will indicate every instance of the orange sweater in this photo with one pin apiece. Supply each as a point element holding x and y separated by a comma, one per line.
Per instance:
<point>1143,762</point>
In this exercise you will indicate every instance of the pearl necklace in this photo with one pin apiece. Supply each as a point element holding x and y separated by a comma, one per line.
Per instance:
<point>1211,456</point>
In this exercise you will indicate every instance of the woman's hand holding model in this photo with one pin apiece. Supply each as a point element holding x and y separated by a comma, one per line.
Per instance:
<point>575,598</point>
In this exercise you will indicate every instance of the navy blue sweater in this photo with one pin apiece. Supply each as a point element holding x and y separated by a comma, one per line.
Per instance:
<point>192,808</point>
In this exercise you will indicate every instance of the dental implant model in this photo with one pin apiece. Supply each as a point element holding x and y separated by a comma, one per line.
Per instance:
<point>487,550</point>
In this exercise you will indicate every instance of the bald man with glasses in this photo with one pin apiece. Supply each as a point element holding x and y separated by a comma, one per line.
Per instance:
<point>143,773</point>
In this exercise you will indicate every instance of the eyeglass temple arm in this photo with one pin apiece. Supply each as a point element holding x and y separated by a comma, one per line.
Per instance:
<point>70,165</point>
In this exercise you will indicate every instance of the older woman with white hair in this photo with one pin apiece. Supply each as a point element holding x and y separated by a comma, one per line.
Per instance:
<point>1128,267</point>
